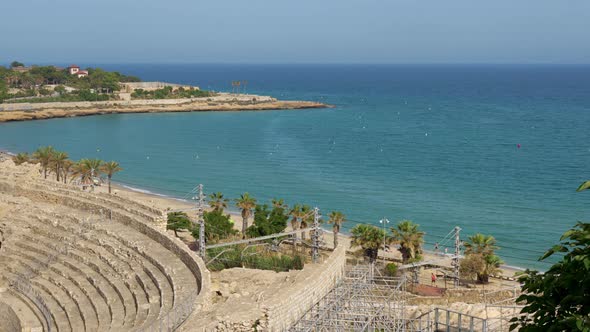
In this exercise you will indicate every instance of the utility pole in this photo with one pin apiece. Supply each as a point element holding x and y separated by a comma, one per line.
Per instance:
<point>457,252</point>
<point>201,221</point>
<point>315,238</point>
<point>384,221</point>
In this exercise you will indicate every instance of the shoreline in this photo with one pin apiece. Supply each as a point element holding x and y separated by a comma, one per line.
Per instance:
<point>235,215</point>
<point>166,202</point>
<point>221,103</point>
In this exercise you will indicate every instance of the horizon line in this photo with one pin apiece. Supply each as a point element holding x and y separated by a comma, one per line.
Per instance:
<point>44,63</point>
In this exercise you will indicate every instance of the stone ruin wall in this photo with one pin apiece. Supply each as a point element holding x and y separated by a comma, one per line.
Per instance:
<point>286,307</point>
<point>8,319</point>
<point>190,259</point>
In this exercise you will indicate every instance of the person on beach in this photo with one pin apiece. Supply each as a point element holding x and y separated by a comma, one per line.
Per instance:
<point>433,279</point>
<point>436,247</point>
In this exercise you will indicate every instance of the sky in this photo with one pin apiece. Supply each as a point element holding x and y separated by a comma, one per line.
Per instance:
<point>302,31</point>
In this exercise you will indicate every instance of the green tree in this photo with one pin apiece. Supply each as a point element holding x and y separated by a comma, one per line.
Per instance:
<point>370,239</point>
<point>471,266</point>
<point>267,221</point>
<point>482,247</point>
<point>559,299</point>
<point>336,219</point>
<point>3,90</point>
<point>217,201</point>
<point>58,160</point>
<point>60,89</point>
<point>391,269</point>
<point>21,158</point>
<point>87,170</point>
<point>44,156</point>
<point>178,221</point>
<point>245,203</point>
<point>110,168</point>
<point>480,244</point>
<point>410,239</point>
<point>295,212</point>
<point>305,218</point>
<point>218,226</point>
<point>67,166</point>
<point>279,203</point>
<point>15,64</point>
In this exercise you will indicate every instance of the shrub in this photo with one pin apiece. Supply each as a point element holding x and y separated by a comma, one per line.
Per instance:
<point>391,269</point>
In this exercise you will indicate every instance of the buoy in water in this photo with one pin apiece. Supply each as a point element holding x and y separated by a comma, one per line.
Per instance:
<point>518,145</point>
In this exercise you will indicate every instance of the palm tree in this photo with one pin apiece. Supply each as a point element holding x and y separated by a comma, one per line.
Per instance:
<point>369,238</point>
<point>58,160</point>
<point>67,166</point>
<point>492,266</point>
<point>86,170</point>
<point>246,203</point>
<point>21,158</point>
<point>43,156</point>
<point>294,213</point>
<point>305,217</point>
<point>480,244</point>
<point>110,168</point>
<point>482,247</point>
<point>217,201</point>
<point>279,203</point>
<point>336,219</point>
<point>409,238</point>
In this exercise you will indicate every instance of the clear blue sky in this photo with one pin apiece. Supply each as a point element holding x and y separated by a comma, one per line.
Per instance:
<point>302,31</point>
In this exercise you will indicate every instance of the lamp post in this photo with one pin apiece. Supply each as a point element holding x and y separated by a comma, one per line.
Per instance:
<point>384,222</point>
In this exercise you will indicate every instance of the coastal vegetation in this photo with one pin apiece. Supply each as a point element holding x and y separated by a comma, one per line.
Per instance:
<point>559,299</point>
<point>480,258</point>
<point>337,218</point>
<point>370,239</point>
<point>245,203</point>
<point>48,84</point>
<point>178,221</point>
<point>410,240</point>
<point>86,172</point>
<point>168,92</point>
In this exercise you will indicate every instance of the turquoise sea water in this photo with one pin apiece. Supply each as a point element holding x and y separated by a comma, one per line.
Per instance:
<point>434,144</point>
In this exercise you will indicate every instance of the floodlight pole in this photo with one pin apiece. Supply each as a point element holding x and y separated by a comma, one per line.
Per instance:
<point>201,221</point>
<point>315,238</point>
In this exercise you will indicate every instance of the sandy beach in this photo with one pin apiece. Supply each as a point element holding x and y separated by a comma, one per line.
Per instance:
<point>165,203</point>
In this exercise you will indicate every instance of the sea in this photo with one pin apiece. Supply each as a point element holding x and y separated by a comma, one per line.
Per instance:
<point>493,149</point>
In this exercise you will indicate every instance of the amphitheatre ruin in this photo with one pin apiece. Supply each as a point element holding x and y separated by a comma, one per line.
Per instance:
<point>75,260</point>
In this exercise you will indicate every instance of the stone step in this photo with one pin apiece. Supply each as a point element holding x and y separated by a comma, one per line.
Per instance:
<point>84,304</point>
<point>97,302</point>
<point>64,301</point>
<point>29,316</point>
<point>115,202</point>
<point>56,287</point>
<point>144,291</point>
<point>60,319</point>
<point>107,286</point>
<point>119,246</point>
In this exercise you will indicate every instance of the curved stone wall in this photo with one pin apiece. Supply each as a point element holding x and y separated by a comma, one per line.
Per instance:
<point>288,306</point>
<point>9,321</point>
<point>132,218</point>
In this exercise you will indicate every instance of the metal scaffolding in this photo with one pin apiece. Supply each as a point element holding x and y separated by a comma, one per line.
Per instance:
<point>362,301</point>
